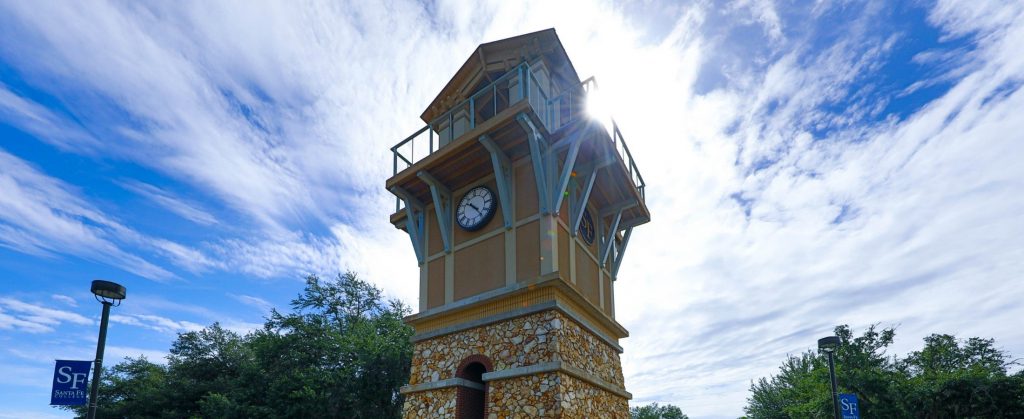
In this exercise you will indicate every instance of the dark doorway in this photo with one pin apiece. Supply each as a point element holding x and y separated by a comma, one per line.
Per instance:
<point>471,401</point>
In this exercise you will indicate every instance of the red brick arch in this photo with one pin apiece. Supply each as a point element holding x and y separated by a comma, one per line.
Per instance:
<point>480,359</point>
<point>472,403</point>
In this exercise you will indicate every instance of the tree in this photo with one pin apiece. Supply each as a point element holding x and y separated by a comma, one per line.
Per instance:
<point>133,388</point>
<point>946,378</point>
<point>203,363</point>
<point>950,379</point>
<point>342,351</point>
<point>653,411</point>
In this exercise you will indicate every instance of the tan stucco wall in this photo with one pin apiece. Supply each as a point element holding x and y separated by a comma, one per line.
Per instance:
<point>434,241</point>
<point>526,190</point>
<point>435,283</point>
<point>480,267</point>
<point>527,251</point>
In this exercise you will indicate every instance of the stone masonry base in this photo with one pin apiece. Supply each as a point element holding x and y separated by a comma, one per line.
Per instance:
<point>543,364</point>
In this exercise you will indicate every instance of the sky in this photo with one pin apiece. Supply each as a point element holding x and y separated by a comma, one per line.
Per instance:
<point>808,164</point>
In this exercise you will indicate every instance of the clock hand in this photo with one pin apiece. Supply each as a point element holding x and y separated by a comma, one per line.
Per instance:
<point>474,206</point>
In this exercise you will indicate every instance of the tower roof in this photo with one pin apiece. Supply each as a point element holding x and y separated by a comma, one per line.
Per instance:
<point>490,60</point>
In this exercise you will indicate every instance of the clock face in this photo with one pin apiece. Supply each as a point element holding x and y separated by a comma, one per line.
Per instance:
<point>587,227</point>
<point>476,208</point>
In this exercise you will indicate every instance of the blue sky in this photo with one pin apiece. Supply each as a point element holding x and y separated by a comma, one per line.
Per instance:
<point>808,164</point>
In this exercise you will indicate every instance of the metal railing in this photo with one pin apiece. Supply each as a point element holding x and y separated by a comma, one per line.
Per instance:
<point>485,104</point>
<point>496,97</point>
<point>570,106</point>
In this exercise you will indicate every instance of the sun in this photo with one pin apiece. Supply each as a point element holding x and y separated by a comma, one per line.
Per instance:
<point>598,108</point>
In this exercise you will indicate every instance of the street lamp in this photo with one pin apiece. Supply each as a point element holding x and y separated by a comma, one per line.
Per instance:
<point>829,345</point>
<point>109,294</point>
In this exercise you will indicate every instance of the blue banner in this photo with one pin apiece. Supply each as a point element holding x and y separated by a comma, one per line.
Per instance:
<point>848,406</point>
<point>70,383</point>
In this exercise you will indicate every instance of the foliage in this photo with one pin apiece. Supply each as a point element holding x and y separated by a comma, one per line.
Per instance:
<point>947,378</point>
<point>342,351</point>
<point>653,411</point>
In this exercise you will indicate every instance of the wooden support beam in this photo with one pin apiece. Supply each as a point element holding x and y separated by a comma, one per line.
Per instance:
<point>537,155</point>
<point>414,222</point>
<point>503,177</point>
<point>570,162</point>
<point>620,251</point>
<point>442,206</point>
<point>608,240</point>
<point>579,205</point>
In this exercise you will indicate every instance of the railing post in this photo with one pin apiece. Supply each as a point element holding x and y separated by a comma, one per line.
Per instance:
<point>526,84</point>
<point>472,112</point>
<point>522,83</point>
<point>430,137</point>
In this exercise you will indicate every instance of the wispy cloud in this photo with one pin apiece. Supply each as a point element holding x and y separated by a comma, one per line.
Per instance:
<point>40,121</point>
<point>187,210</point>
<point>32,318</point>
<point>65,299</point>
<point>874,219</point>
<point>122,352</point>
<point>157,323</point>
<point>258,303</point>
<point>44,216</point>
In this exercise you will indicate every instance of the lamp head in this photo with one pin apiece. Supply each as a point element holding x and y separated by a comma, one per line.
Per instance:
<point>829,344</point>
<point>108,292</point>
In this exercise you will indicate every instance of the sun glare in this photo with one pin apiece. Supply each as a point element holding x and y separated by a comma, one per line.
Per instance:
<point>598,108</point>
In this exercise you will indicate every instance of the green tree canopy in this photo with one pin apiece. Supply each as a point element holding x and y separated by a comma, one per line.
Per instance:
<point>947,378</point>
<point>654,411</point>
<point>343,352</point>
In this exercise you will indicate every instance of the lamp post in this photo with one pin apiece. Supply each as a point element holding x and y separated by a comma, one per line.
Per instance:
<point>829,345</point>
<point>109,294</point>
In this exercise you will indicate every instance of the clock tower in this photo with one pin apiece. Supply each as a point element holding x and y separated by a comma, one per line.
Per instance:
<point>519,207</point>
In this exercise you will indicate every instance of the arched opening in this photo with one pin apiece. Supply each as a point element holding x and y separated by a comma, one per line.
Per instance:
<point>471,399</point>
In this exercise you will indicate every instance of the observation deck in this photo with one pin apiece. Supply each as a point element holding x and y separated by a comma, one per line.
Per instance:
<point>523,112</point>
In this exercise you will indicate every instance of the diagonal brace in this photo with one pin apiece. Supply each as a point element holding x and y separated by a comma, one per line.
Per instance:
<point>502,176</point>
<point>608,240</point>
<point>537,155</point>
<point>442,206</point>
<point>620,251</point>
<point>414,221</point>
<point>570,163</point>
<point>577,207</point>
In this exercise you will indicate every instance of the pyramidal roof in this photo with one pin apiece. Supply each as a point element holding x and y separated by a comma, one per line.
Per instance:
<point>490,60</point>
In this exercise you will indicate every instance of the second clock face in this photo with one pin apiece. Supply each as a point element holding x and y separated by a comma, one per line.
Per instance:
<point>476,208</point>
<point>587,227</point>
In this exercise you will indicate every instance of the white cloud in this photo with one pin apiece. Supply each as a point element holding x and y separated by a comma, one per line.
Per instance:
<point>187,210</point>
<point>39,121</point>
<point>157,323</point>
<point>763,12</point>
<point>65,299</point>
<point>32,318</point>
<point>240,327</point>
<point>258,303</point>
<point>116,354</point>
<point>43,216</point>
<point>931,242</point>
